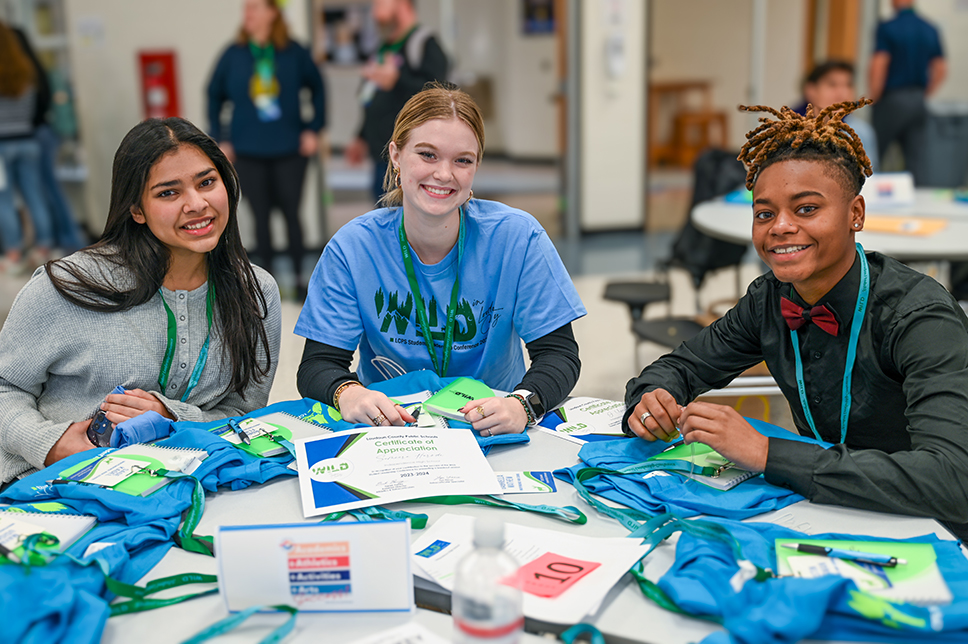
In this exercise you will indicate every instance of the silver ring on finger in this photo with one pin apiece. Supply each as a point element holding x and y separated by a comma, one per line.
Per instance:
<point>486,430</point>
<point>645,417</point>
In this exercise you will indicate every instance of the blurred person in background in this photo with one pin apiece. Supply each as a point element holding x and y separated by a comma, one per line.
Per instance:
<point>68,236</point>
<point>20,156</point>
<point>908,65</point>
<point>832,82</point>
<point>408,58</point>
<point>262,75</point>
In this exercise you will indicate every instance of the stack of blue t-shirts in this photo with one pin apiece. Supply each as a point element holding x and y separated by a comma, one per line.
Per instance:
<point>135,521</point>
<point>702,582</point>
<point>659,492</point>
<point>241,469</point>
<point>60,602</point>
<point>132,535</point>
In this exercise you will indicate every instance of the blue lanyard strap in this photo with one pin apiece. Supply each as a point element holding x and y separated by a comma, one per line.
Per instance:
<point>171,343</point>
<point>855,325</point>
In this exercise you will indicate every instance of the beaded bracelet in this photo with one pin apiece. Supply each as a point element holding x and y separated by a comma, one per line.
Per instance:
<point>343,387</point>
<point>527,411</point>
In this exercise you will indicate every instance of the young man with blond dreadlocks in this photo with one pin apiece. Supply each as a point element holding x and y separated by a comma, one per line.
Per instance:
<point>871,355</point>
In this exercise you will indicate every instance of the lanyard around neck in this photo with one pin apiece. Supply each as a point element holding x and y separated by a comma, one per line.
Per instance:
<point>855,325</point>
<point>440,366</point>
<point>394,47</point>
<point>172,337</point>
<point>265,59</point>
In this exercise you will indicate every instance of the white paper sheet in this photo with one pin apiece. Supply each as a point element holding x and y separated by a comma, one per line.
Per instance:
<point>409,633</point>
<point>441,546</point>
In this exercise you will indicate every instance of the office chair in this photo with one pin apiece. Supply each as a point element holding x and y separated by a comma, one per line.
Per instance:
<point>716,173</point>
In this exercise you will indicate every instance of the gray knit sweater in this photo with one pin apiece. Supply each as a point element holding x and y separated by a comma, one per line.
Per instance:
<point>58,361</point>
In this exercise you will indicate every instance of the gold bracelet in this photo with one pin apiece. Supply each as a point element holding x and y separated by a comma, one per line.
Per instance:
<point>343,387</point>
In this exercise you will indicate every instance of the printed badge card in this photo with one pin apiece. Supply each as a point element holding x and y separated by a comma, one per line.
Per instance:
<point>357,469</point>
<point>328,567</point>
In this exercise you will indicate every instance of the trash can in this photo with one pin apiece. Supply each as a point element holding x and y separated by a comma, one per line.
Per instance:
<point>946,146</point>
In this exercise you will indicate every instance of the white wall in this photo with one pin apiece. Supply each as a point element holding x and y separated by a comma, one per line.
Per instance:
<point>480,29</point>
<point>710,40</point>
<point>612,154</point>
<point>105,38</point>
<point>522,70</point>
<point>526,105</point>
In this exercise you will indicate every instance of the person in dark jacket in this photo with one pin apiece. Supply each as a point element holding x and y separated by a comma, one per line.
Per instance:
<point>262,75</point>
<point>408,58</point>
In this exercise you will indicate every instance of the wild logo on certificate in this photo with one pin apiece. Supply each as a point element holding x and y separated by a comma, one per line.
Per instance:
<point>319,572</point>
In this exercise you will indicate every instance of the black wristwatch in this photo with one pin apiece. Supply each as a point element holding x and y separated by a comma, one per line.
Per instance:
<point>533,402</point>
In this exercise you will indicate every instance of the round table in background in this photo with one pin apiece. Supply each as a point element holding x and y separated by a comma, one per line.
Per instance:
<point>733,222</point>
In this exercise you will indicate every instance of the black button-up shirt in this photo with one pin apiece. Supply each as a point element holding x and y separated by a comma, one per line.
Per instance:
<point>906,449</point>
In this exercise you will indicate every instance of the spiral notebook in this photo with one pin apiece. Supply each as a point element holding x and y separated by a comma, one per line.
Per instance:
<point>263,430</point>
<point>451,399</point>
<point>703,456</point>
<point>132,469</point>
<point>918,581</point>
<point>16,525</point>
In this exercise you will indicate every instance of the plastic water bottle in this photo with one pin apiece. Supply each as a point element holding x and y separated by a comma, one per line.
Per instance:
<point>486,601</point>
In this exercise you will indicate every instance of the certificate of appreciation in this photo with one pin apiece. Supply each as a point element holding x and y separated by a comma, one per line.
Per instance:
<point>373,466</point>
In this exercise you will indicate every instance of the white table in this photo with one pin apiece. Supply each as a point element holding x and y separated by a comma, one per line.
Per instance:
<point>625,617</point>
<point>734,223</point>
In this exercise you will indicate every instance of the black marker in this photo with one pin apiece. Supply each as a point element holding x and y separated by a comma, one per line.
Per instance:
<point>8,553</point>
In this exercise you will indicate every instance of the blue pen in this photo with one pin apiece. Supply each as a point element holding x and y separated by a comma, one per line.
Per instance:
<point>239,431</point>
<point>885,561</point>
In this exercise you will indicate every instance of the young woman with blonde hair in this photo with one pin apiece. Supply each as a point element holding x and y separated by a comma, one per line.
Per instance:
<point>440,280</point>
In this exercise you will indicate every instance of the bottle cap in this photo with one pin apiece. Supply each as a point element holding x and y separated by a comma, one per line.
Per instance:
<point>488,533</point>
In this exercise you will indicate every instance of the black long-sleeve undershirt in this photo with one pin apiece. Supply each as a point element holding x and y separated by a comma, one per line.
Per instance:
<point>554,370</point>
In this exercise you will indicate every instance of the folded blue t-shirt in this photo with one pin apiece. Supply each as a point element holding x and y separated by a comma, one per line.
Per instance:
<point>789,609</point>
<point>659,492</point>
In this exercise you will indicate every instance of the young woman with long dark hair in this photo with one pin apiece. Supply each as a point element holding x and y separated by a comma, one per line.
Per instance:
<point>166,305</point>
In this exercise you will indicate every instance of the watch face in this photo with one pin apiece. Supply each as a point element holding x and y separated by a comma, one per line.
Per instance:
<point>537,407</point>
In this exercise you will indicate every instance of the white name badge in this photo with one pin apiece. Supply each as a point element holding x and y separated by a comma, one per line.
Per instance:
<point>328,568</point>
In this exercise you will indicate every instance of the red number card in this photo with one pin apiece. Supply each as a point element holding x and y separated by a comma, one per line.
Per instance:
<point>550,575</point>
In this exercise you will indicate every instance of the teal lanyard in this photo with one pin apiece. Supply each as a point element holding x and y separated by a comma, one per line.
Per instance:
<point>568,513</point>
<point>855,326</point>
<point>379,513</point>
<point>172,338</point>
<point>655,529</point>
<point>227,624</point>
<point>440,366</point>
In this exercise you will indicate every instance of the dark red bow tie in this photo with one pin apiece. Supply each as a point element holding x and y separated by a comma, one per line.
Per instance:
<point>797,316</point>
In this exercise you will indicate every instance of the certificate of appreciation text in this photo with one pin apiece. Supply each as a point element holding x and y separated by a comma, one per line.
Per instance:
<point>374,466</point>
